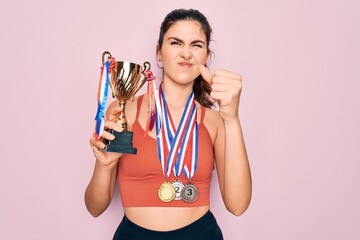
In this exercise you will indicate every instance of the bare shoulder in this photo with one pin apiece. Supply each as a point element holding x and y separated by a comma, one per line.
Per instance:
<point>213,122</point>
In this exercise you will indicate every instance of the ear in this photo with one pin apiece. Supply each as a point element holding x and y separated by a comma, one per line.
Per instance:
<point>158,52</point>
<point>209,52</point>
<point>209,56</point>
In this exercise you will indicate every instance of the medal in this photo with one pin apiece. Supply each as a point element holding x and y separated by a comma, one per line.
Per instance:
<point>178,186</point>
<point>174,144</point>
<point>166,192</point>
<point>189,193</point>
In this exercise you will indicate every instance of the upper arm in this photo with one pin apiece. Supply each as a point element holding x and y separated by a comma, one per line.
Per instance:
<point>216,129</point>
<point>219,150</point>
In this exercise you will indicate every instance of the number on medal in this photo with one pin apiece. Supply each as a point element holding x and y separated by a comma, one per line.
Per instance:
<point>189,192</point>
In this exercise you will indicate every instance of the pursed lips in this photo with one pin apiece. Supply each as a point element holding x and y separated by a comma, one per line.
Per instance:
<point>185,64</point>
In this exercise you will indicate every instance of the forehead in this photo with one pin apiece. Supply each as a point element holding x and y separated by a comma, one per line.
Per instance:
<point>186,29</point>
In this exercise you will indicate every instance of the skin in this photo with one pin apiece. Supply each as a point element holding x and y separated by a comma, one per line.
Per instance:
<point>183,55</point>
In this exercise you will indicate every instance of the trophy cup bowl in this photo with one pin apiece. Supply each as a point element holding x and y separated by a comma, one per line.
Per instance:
<point>125,82</point>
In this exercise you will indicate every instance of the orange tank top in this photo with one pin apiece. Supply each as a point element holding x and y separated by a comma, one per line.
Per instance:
<point>140,175</point>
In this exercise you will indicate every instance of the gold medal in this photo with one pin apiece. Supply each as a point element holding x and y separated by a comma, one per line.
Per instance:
<point>166,192</point>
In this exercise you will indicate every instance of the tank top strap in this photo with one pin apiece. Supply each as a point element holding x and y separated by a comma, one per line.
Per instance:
<point>139,101</point>
<point>202,113</point>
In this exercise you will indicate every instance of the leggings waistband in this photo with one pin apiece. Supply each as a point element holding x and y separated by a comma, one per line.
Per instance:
<point>191,230</point>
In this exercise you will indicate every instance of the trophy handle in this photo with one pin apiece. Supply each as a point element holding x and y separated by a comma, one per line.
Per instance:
<point>147,66</point>
<point>103,62</point>
<point>103,56</point>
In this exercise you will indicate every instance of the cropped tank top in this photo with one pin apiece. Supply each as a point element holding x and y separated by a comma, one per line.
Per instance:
<point>140,175</point>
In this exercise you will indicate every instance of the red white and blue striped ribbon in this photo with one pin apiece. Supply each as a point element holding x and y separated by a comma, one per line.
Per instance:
<point>173,145</point>
<point>191,141</point>
<point>152,91</point>
<point>101,99</point>
<point>191,166</point>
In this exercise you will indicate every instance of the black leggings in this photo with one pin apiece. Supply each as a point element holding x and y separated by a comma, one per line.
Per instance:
<point>205,228</point>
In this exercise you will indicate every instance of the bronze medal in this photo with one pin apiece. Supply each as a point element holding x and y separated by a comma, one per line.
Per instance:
<point>178,186</point>
<point>189,193</point>
<point>166,192</point>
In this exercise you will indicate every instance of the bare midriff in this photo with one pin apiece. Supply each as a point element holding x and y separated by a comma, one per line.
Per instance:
<point>164,218</point>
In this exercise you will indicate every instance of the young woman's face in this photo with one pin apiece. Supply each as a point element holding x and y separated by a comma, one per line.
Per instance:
<point>183,48</point>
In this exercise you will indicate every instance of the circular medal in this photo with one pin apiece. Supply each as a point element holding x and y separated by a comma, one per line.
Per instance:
<point>166,192</point>
<point>189,193</point>
<point>178,186</point>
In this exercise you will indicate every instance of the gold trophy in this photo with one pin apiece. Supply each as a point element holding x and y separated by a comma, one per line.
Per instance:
<point>125,82</point>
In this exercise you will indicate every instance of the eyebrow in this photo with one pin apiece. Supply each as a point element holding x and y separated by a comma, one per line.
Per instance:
<point>181,41</point>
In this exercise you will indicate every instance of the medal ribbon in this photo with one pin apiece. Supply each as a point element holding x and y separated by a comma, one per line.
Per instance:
<point>172,145</point>
<point>186,153</point>
<point>191,153</point>
<point>191,163</point>
<point>151,90</point>
<point>101,99</point>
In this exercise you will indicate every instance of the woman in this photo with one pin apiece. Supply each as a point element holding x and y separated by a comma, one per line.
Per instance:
<point>150,212</point>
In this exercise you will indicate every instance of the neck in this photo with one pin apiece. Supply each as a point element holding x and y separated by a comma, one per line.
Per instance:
<point>176,95</point>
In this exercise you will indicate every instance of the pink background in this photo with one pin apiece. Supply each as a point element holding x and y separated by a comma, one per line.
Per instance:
<point>300,111</point>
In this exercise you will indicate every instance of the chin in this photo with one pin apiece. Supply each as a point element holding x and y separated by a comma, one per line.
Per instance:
<point>185,80</point>
<point>181,78</point>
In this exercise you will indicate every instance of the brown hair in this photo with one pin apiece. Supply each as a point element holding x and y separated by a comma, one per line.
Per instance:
<point>201,88</point>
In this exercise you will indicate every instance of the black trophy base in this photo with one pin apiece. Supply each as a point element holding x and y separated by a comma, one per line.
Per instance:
<point>122,143</point>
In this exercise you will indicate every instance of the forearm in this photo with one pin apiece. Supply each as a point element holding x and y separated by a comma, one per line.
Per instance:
<point>100,190</point>
<point>237,176</point>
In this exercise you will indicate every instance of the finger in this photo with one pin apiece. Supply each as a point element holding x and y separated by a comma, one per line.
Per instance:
<point>206,74</point>
<point>108,136</point>
<point>113,112</point>
<point>113,125</point>
<point>100,146</point>
<point>230,82</point>
<point>225,73</point>
<point>224,87</point>
<point>95,144</point>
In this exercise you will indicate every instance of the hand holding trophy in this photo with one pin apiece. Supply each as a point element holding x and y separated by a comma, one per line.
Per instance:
<point>125,81</point>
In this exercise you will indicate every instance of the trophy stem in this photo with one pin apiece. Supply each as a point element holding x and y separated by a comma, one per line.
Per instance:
<point>122,118</point>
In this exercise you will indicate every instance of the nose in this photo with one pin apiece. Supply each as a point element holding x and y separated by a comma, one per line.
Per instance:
<point>185,53</point>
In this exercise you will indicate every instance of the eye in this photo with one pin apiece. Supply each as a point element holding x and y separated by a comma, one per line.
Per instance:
<point>198,45</point>
<point>175,43</point>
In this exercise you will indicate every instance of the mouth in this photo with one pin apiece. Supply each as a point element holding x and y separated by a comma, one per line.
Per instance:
<point>185,64</point>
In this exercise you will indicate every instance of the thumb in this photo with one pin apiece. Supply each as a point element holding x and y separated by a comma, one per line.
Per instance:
<point>206,74</point>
